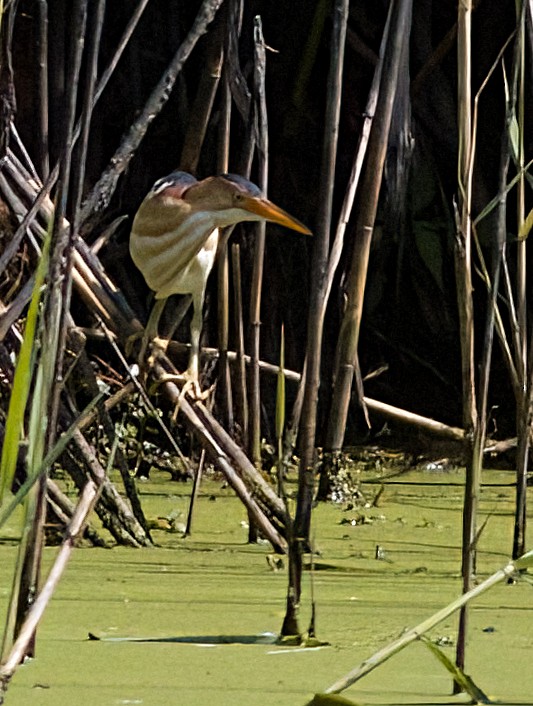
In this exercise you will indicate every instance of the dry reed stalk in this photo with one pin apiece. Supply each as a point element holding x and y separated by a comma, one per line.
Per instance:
<point>44,157</point>
<point>234,75</point>
<point>241,398</point>
<point>348,340</point>
<point>415,633</point>
<point>318,291</point>
<point>357,166</point>
<point>7,92</point>
<point>202,107</point>
<point>48,383</point>
<point>463,269</point>
<point>194,493</point>
<point>479,434</point>
<point>416,420</point>
<point>492,281</point>
<point>224,390</point>
<point>95,27</point>
<point>524,406</point>
<point>261,129</point>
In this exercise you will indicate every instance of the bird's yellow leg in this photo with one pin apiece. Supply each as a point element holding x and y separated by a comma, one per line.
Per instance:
<point>193,369</point>
<point>179,313</point>
<point>191,376</point>
<point>150,331</point>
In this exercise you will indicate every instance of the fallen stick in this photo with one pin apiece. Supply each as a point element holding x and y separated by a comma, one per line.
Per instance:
<point>417,420</point>
<point>64,505</point>
<point>387,410</point>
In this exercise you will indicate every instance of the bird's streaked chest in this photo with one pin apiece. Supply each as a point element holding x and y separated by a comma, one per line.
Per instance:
<point>199,268</point>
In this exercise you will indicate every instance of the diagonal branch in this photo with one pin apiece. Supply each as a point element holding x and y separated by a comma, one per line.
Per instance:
<point>101,195</point>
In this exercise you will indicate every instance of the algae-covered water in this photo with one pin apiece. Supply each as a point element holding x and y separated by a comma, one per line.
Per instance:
<point>214,586</point>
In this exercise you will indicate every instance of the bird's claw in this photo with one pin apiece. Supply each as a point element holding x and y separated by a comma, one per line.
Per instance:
<point>190,386</point>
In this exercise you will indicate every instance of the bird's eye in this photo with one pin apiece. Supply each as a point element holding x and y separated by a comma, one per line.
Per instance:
<point>238,198</point>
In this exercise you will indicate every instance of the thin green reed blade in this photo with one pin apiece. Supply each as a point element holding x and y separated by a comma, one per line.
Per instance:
<point>9,507</point>
<point>526,226</point>
<point>22,379</point>
<point>463,680</point>
<point>280,394</point>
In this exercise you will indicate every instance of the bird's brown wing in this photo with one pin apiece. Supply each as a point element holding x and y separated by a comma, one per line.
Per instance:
<point>165,237</point>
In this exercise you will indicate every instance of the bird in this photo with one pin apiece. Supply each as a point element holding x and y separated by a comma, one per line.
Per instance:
<point>175,236</point>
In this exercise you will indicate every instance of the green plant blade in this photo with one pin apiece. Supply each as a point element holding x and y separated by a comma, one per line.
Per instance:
<point>463,680</point>
<point>22,379</point>
<point>526,226</point>
<point>493,203</point>
<point>51,457</point>
<point>525,561</point>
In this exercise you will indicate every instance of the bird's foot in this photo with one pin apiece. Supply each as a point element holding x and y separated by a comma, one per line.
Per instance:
<point>155,345</point>
<point>190,385</point>
<point>160,345</point>
<point>152,351</point>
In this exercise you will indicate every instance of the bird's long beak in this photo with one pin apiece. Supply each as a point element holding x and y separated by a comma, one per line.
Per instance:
<point>270,212</point>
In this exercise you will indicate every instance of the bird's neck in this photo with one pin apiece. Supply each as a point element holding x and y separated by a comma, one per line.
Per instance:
<point>199,224</point>
<point>195,227</point>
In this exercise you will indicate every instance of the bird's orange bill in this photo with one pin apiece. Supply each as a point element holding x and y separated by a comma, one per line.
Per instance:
<point>268,210</point>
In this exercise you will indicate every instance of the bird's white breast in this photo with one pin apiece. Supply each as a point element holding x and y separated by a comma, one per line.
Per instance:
<point>194,277</point>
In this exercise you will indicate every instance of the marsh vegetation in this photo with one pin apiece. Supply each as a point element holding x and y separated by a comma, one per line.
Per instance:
<point>398,132</point>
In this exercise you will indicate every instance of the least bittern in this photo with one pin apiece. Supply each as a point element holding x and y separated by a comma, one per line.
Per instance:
<point>175,235</point>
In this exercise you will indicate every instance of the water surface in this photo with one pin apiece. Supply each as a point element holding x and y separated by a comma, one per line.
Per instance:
<point>213,585</point>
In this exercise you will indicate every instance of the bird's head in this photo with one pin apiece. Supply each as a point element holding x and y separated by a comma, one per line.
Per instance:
<point>215,202</point>
<point>232,199</point>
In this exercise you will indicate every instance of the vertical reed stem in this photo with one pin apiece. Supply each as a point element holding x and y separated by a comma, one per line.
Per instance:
<point>44,163</point>
<point>523,407</point>
<point>224,379</point>
<point>241,399</point>
<point>465,304</point>
<point>315,322</point>
<point>259,251</point>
